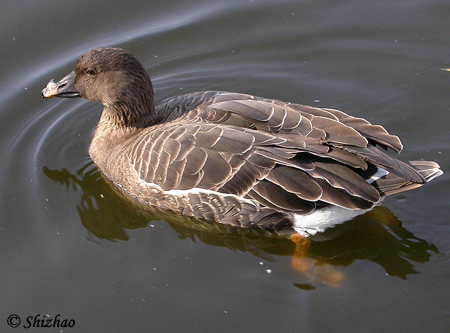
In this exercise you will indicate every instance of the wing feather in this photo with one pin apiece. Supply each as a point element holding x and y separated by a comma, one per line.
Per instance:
<point>374,132</point>
<point>295,181</point>
<point>268,158</point>
<point>280,199</point>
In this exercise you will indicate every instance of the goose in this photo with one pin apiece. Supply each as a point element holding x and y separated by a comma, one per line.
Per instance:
<point>233,158</point>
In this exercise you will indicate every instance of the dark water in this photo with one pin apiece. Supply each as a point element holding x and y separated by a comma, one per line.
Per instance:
<point>70,246</point>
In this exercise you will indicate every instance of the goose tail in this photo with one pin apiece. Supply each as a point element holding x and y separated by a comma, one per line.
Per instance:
<point>393,184</point>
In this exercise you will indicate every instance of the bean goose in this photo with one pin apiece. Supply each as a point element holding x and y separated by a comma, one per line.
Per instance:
<point>233,158</point>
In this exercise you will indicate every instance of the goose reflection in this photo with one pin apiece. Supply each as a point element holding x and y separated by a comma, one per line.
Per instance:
<point>377,236</point>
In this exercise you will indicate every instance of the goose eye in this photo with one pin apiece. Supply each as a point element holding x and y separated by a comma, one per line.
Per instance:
<point>90,72</point>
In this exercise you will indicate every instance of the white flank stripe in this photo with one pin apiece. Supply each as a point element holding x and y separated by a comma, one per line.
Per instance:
<point>200,191</point>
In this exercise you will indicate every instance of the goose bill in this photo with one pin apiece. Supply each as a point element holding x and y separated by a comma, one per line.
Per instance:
<point>64,88</point>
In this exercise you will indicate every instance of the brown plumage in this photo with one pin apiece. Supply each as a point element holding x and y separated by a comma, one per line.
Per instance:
<point>234,158</point>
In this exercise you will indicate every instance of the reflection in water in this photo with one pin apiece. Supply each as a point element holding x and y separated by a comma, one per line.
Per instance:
<point>377,236</point>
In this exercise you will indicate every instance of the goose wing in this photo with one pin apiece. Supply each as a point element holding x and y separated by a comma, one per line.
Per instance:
<point>284,157</point>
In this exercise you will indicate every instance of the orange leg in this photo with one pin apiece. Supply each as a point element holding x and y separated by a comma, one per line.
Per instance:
<point>311,268</point>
